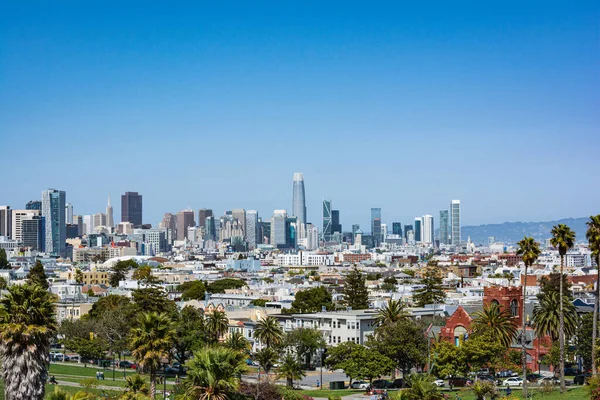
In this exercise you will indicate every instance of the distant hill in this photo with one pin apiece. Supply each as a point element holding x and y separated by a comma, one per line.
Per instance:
<point>512,232</point>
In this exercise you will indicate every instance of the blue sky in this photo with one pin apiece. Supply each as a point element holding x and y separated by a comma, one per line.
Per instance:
<point>398,105</point>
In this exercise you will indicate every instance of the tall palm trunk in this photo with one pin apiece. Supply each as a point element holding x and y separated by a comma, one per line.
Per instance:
<point>24,372</point>
<point>561,334</point>
<point>152,384</point>
<point>523,337</point>
<point>595,323</point>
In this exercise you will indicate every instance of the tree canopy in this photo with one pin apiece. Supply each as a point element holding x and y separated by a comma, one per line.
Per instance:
<point>356,294</point>
<point>4,264</point>
<point>432,291</point>
<point>219,286</point>
<point>312,300</point>
<point>192,290</point>
<point>358,362</point>
<point>37,275</point>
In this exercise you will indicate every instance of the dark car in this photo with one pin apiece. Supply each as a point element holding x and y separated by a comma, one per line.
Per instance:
<point>459,382</point>
<point>127,364</point>
<point>381,384</point>
<point>582,378</point>
<point>486,377</point>
<point>572,371</point>
<point>397,384</point>
<point>533,378</point>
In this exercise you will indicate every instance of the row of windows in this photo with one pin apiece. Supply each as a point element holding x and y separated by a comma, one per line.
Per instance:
<point>338,340</point>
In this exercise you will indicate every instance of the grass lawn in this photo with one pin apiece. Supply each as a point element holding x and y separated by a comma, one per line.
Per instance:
<point>50,389</point>
<point>65,369</point>
<point>327,393</point>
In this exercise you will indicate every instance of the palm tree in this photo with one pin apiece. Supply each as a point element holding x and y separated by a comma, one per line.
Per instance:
<point>135,388</point>
<point>422,388</point>
<point>151,343</point>
<point>213,374</point>
<point>266,358</point>
<point>291,370</point>
<point>392,312</point>
<point>593,237</point>
<point>269,331</point>
<point>529,250</point>
<point>546,317</point>
<point>27,324</point>
<point>497,321</point>
<point>563,238</point>
<point>237,342</point>
<point>216,325</point>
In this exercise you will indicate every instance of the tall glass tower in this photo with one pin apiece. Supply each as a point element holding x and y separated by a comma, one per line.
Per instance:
<point>53,212</point>
<point>444,232</point>
<point>298,201</point>
<point>455,222</point>
<point>376,226</point>
<point>327,222</point>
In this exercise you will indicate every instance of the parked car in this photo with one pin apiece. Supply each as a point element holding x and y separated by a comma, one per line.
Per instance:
<point>582,378</point>
<point>382,384</point>
<point>506,374</point>
<point>486,377</point>
<point>456,381</point>
<point>398,383</point>
<point>359,385</point>
<point>513,381</point>
<point>572,371</point>
<point>439,382</point>
<point>550,379</point>
<point>75,358</point>
<point>534,377</point>
<point>127,364</point>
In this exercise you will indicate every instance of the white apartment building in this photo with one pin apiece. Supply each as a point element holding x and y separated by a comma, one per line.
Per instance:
<point>17,222</point>
<point>305,258</point>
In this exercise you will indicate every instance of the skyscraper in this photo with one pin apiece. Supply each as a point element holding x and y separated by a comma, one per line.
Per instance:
<point>397,228</point>
<point>169,223</point>
<point>418,227</point>
<point>408,228</point>
<point>455,222</point>
<point>69,213</point>
<point>99,219</point>
<point>252,229</point>
<point>34,205</point>
<point>5,221</point>
<point>327,222</point>
<point>53,211</point>
<point>335,221</point>
<point>376,226</point>
<point>131,208</point>
<point>278,228</point>
<point>185,219</point>
<point>240,215</point>
<point>110,221</point>
<point>298,199</point>
<point>33,232</point>
<point>444,233</point>
<point>202,214</point>
<point>427,229</point>
<point>17,222</point>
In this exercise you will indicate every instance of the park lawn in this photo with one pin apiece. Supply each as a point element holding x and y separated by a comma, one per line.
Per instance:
<point>50,389</point>
<point>64,369</point>
<point>326,393</point>
<point>573,393</point>
<point>108,381</point>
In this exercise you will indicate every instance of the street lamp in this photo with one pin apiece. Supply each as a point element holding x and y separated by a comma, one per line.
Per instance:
<point>165,363</point>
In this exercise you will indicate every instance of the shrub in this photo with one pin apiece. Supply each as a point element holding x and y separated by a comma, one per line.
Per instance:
<point>485,390</point>
<point>267,391</point>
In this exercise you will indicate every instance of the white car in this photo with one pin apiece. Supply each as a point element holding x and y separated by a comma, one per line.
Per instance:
<point>359,385</point>
<point>439,382</point>
<point>514,381</point>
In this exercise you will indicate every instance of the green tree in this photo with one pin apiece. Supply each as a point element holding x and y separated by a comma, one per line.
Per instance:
<point>389,284</point>
<point>497,321</point>
<point>78,276</point>
<point>482,350</point>
<point>113,326</point>
<point>356,294</point>
<point>259,302</point>
<point>221,285</point>
<point>143,275</point>
<point>563,239</point>
<point>268,331</point>
<point>237,342</point>
<point>3,283</point>
<point>81,337</point>
<point>448,360</point>
<point>593,237</point>
<point>432,291</point>
<point>190,333</point>
<point>403,342</point>
<point>37,276</point>
<point>583,346</point>
<point>110,303</point>
<point>392,312</point>
<point>266,358</point>
<point>192,290</point>
<point>153,299</point>
<point>120,270</point>
<point>546,317</point>
<point>4,264</point>
<point>151,342</point>
<point>213,374</point>
<point>27,324</point>
<point>312,300</point>
<point>551,283</point>
<point>358,362</point>
<point>529,250</point>
<point>216,325</point>
<point>422,387</point>
<point>290,370</point>
<point>305,342</point>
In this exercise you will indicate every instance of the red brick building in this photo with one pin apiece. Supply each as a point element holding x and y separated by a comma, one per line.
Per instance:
<point>457,325</point>
<point>508,298</point>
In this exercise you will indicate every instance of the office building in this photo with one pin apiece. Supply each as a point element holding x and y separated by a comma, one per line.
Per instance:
<point>203,213</point>
<point>291,232</point>
<point>5,221</point>
<point>99,220</point>
<point>88,224</point>
<point>169,222</point>
<point>53,211</point>
<point>396,228</point>
<point>335,221</point>
<point>33,232</point>
<point>455,223</point>
<point>427,230</point>
<point>376,226</point>
<point>69,213</point>
<point>384,232</point>
<point>298,199</point>
<point>157,238</point>
<point>131,208</point>
<point>34,205</point>
<point>265,231</point>
<point>252,229</point>
<point>278,228</point>
<point>240,215</point>
<point>444,232</point>
<point>78,220</point>
<point>17,222</point>
<point>408,228</point>
<point>327,221</point>
<point>110,220</point>
<point>418,227</point>
<point>185,219</point>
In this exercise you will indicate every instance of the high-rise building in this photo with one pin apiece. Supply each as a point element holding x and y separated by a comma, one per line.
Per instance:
<point>376,226</point>
<point>17,222</point>
<point>99,220</point>
<point>33,232</point>
<point>202,214</point>
<point>298,198</point>
<point>34,205</point>
<point>240,215</point>
<point>252,229</point>
<point>69,213</point>
<point>131,208</point>
<point>327,221</point>
<point>455,223</point>
<point>78,220</point>
<point>265,231</point>
<point>278,228</point>
<point>110,220</point>
<point>397,228</point>
<point>408,228</point>
<point>335,221</point>
<point>169,223</point>
<point>444,232</point>
<point>53,211</point>
<point>185,219</point>
<point>427,229</point>
<point>88,224</point>
<point>291,232</point>
<point>5,221</point>
<point>418,227</point>
<point>384,232</point>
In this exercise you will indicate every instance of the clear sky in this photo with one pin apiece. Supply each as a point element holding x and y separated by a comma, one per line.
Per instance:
<point>398,105</point>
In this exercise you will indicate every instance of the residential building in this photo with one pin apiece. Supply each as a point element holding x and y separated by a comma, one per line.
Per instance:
<point>131,208</point>
<point>455,223</point>
<point>298,199</point>
<point>53,211</point>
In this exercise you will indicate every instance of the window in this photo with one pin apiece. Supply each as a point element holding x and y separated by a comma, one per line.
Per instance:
<point>459,335</point>
<point>514,308</point>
